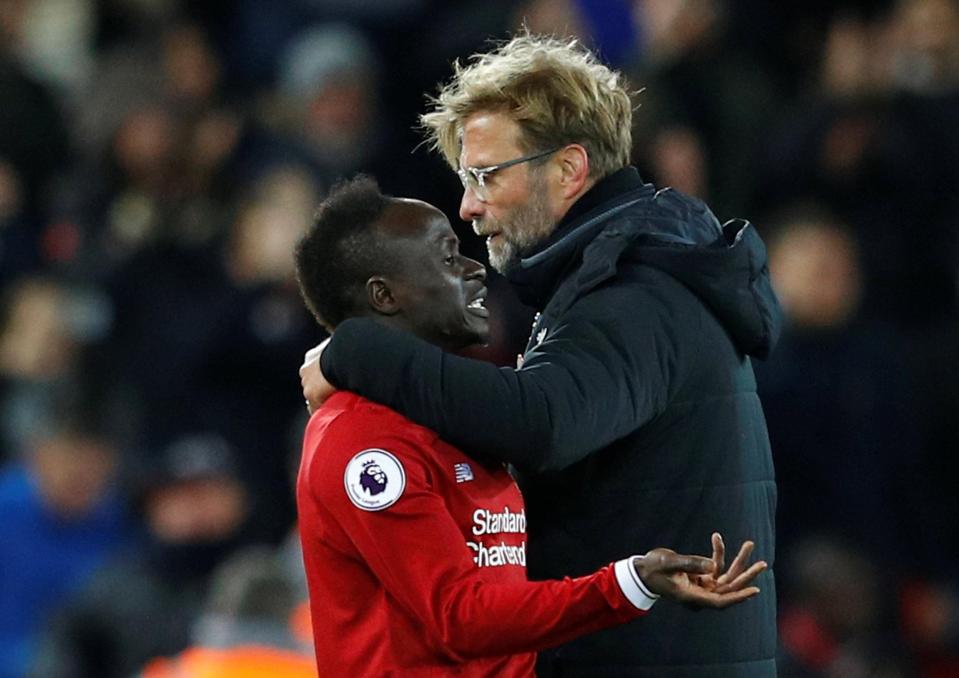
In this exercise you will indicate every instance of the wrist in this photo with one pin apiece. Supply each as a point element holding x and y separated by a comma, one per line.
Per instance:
<point>628,576</point>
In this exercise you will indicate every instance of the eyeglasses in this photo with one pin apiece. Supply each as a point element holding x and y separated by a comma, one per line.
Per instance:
<point>474,178</point>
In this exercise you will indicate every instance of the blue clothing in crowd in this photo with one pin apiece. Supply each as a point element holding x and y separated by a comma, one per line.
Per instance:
<point>44,559</point>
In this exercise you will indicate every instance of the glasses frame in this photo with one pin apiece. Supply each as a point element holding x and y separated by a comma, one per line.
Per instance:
<point>478,174</point>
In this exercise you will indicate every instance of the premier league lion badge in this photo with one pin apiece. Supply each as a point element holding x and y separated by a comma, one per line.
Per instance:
<point>374,479</point>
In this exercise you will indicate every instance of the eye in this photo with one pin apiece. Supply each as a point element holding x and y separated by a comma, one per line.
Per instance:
<point>450,260</point>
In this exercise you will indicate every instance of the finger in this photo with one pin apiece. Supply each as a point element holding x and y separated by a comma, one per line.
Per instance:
<point>743,579</point>
<point>719,553</point>
<point>670,563</point>
<point>739,563</point>
<point>723,600</point>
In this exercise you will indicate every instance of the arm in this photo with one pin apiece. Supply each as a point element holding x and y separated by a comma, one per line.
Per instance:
<point>417,552</point>
<point>598,376</point>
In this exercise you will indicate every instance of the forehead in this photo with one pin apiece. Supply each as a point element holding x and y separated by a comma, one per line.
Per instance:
<point>414,220</point>
<point>489,137</point>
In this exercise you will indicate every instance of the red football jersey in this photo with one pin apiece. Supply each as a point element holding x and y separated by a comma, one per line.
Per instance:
<point>416,556</point>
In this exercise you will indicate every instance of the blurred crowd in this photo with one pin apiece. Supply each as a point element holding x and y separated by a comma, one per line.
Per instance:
<point>159,158</point>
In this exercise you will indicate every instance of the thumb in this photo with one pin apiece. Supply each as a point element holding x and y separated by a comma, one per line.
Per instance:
<point>677,562</point>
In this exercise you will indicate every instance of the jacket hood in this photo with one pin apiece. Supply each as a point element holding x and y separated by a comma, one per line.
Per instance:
<point>730,275</point>
<point>725,266</point>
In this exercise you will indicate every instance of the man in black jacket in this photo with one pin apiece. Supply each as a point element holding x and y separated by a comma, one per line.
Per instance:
<point>634,419</point>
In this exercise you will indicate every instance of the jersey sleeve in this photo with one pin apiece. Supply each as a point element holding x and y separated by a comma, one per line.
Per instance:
<point>414,547</point>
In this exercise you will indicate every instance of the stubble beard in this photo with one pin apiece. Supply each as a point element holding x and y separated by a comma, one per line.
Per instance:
<point>522,228</point>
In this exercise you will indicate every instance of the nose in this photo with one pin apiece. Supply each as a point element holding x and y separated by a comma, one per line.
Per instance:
<point>473,270</point>
<point>470,206</point>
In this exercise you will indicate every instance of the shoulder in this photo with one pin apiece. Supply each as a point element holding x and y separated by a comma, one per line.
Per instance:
<point>15,486</point>
<point>348,420</point>
<point>635,296</point>
<point>364,452</point>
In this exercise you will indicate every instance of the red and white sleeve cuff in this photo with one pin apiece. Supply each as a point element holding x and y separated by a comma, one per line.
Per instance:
<point>632,586</point>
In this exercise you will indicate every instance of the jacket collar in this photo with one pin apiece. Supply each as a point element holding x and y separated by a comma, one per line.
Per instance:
<point>539,270</point>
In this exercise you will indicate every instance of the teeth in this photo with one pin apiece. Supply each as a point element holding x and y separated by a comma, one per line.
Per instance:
<point>476,303</point>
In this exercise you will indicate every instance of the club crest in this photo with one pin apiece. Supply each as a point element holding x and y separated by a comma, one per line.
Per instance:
<point>374,479</point>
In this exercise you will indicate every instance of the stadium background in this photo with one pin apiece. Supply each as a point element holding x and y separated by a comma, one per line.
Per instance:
<point>159,158</point>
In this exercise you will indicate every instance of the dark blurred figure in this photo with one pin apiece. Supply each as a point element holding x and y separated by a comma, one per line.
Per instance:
<point>847,145</point>
<point>19,238</point>
<point>142,604</point>
<point>165,156</point>
<point>41,343</point>
<point>834,625</point>
<point>33,148</point>
<point>63,518</point>
<point>222,329</point>
<point>168,60</point>
<point>33,139</point>
<point>327,100</point>
<point>705,106</point>
<point>245,628</point>
<point>837,398</point>
<point>930,619</point>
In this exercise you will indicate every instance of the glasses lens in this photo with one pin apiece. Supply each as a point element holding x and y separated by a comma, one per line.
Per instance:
<point>471,182</point>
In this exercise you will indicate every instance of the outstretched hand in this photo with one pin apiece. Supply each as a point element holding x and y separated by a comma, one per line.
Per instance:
<point>316,389</point>
<point>701,581</point>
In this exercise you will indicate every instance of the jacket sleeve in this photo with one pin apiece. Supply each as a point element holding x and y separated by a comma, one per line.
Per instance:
<point>604,371</point>
<point>416,550</point>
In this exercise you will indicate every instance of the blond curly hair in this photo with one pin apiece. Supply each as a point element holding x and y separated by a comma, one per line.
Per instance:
<point>557,91</point>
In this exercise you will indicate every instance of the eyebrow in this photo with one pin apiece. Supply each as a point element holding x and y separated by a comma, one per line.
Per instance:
<point>447,238</point>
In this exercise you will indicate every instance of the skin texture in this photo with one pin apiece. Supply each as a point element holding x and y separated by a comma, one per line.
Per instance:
<point>701,582</point>
<point>526,200</point>
<point>429,294</point>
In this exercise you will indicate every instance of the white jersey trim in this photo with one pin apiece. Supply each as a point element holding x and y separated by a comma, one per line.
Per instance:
<point>632,586</point>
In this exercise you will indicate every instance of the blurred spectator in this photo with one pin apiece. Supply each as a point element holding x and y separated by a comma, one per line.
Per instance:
<point>224,328</point>
<point>836,397</point>
<point>244,630</point>
<point>926,74</point>
<point>328,82</point>
<point>33,139</point>
<point>38,350</point>
<point>834,625</point>
<point>142,605</point>
<point>930,621</point>
<point>846,145</point>
<point>927,59</point>
<point>63,517</point>
<point>56,42</point>
<point>704,103</point>
<point>19,241</point>
<point>172,66</point>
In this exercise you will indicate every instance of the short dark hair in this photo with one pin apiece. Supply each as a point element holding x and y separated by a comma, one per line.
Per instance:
<point>340,251</point>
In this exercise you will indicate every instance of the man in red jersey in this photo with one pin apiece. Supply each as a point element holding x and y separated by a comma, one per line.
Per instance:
<point>415,553</point>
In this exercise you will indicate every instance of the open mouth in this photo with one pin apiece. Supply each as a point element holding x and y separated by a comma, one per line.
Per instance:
<point>478,305</point>
<point>490,235</point>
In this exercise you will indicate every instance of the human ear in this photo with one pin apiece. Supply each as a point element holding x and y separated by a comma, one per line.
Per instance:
<point>380,296</point>
<point>574,170</point>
